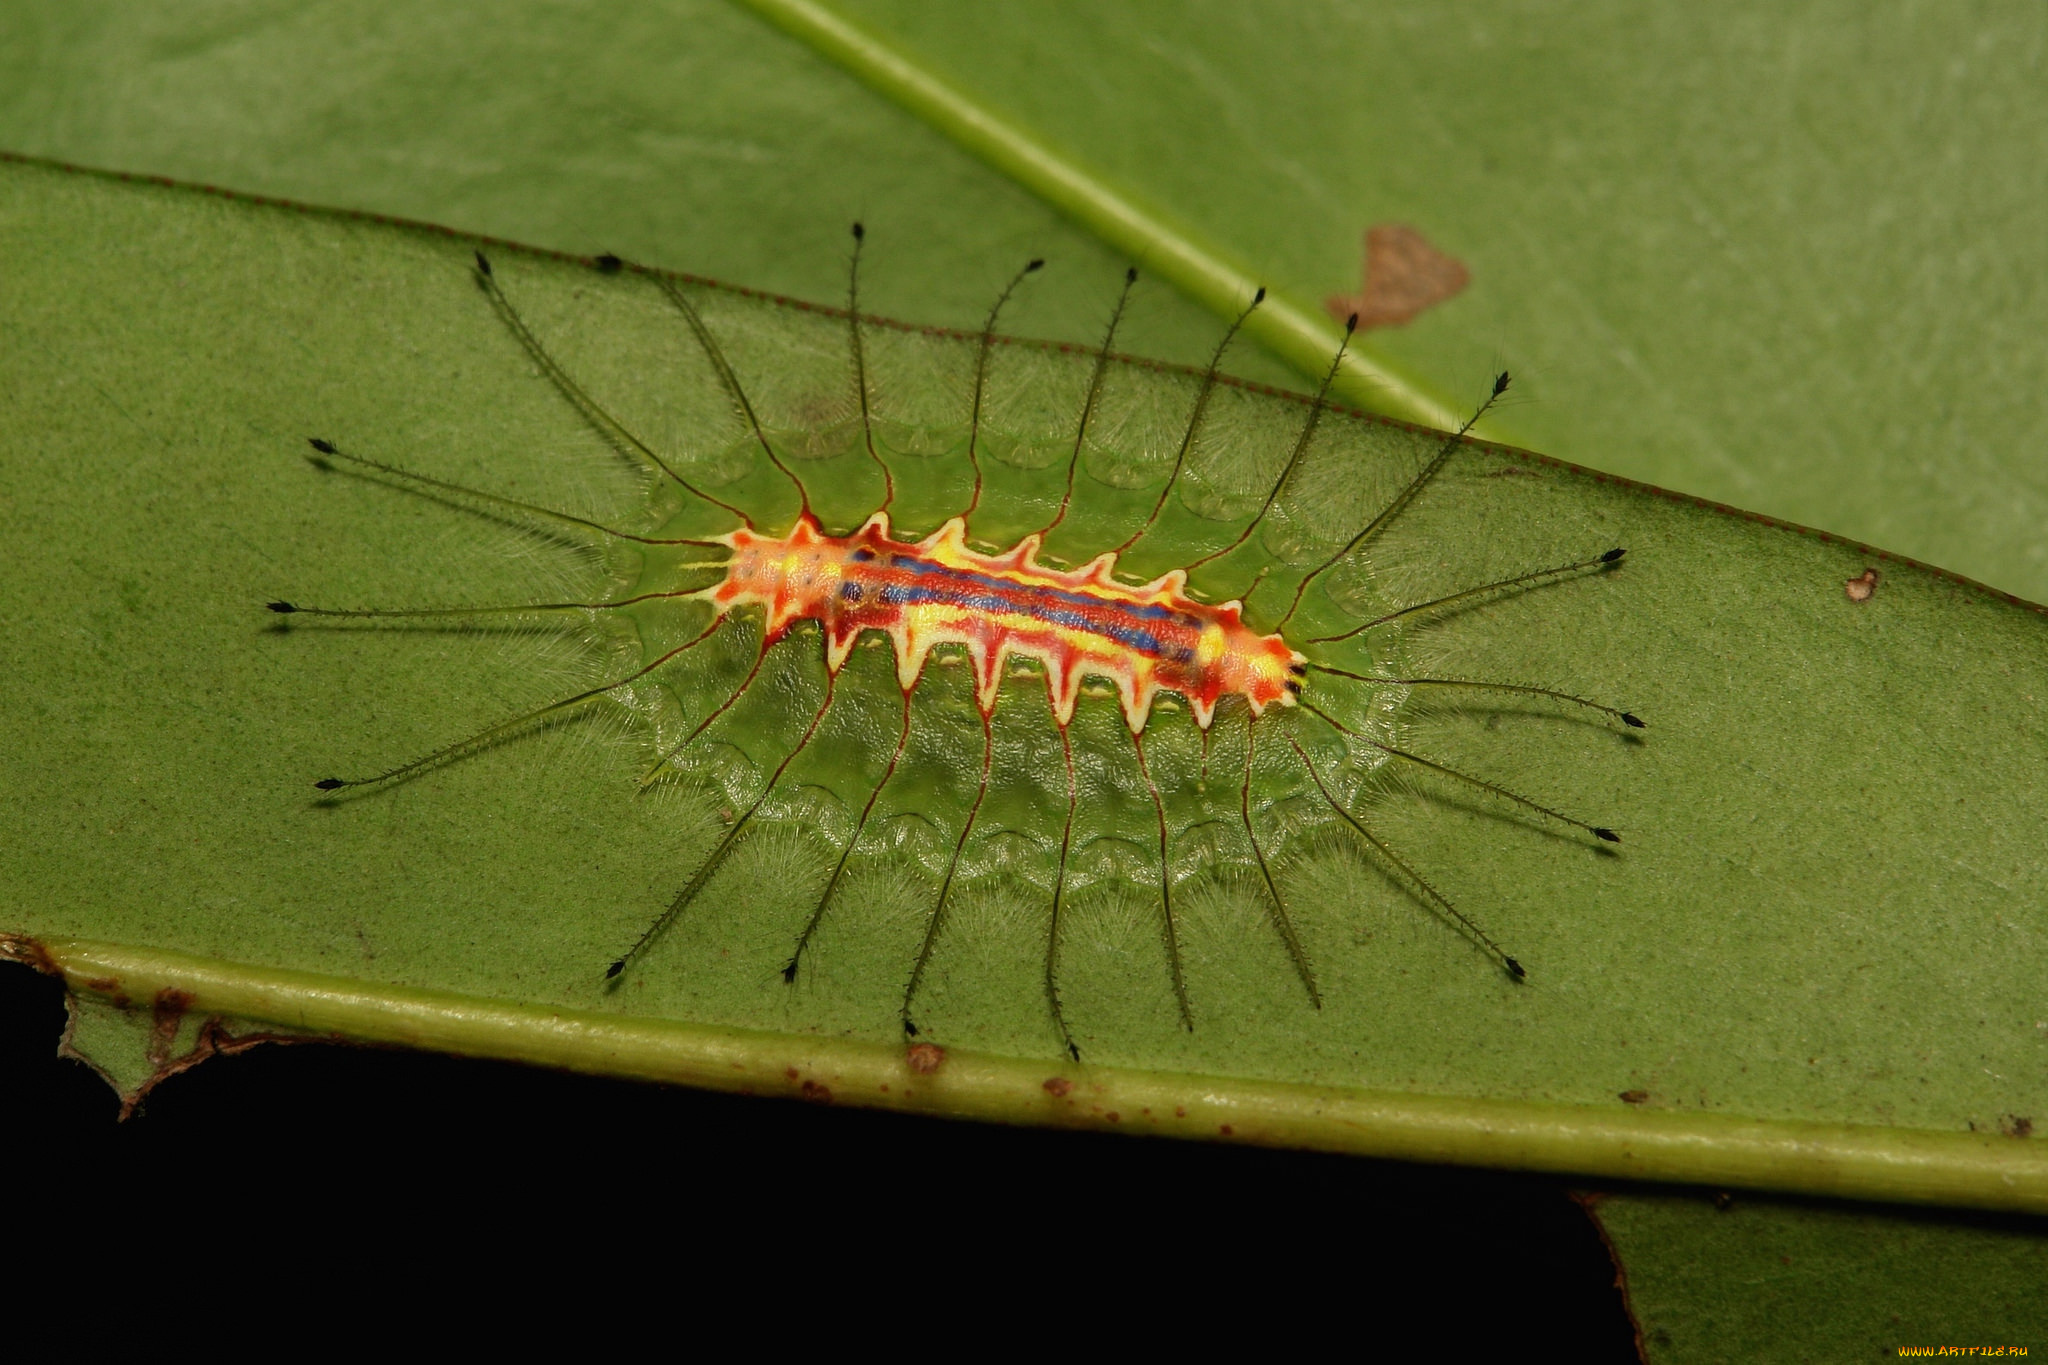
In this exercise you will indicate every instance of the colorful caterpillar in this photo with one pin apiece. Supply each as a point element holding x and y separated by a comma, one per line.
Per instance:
<point>1075,622</point>
<point>1001,606</point>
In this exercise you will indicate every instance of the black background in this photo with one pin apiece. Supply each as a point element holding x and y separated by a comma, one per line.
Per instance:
<point>440,1152</point>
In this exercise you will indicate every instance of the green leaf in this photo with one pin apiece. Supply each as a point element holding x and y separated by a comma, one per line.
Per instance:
<point>1740,1278</point>
<point>1291,328</point>
<point>688,135</point>
<point>1777,258</point>
<point>1780,259</point>
<point>1760,968</point>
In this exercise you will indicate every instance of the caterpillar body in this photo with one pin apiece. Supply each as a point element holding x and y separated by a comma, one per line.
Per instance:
<point>1078,622</point>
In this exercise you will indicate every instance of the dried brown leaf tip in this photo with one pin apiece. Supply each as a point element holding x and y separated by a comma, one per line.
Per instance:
<point>1404,276</point>
<point>1860,588</point>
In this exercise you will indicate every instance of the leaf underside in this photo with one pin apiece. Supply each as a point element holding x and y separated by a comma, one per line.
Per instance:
<point>1721,1276</point>
<point>1826,909</point>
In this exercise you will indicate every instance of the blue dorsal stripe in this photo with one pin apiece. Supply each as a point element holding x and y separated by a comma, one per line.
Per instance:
<point>1143,611</point>
<point>1129,636</point>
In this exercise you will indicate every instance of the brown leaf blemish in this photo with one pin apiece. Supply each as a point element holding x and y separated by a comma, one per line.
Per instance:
<point>2016,1126</point>
<point>815,1092</point>
<point>1058,1086</point>
<point>925,1058</point>
<point>1404,276</point>
<point>1863,586</point>
<point>29,952</point>
<point>167,1012</point>
<point>1635,1097</point>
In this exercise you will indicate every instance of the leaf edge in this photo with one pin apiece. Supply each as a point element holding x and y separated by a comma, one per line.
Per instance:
<point>1844,1161</point>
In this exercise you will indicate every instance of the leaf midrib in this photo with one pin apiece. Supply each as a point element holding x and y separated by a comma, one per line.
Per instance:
<point>1291,329</point>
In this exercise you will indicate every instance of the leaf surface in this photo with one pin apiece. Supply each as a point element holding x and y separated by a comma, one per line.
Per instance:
<point>1781,259</point>
<point>1764,946</point>
<point>1766,1279</point>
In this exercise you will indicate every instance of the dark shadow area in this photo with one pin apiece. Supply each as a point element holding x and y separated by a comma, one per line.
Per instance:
<point>309,1147</point>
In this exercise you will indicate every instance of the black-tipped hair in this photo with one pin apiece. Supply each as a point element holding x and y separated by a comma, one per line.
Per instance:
<point>1406,495</point>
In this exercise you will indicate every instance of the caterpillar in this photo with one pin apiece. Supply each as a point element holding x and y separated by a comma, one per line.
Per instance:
<point>1249,621</point>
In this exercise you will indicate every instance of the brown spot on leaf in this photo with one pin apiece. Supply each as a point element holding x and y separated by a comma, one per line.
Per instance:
<point>23,949</point>
<point>1058,1086</point>
<point>1225,1130</point>
<point>1635,1097</point>
<point>2016,1126</point>
<point>791,1072</point>
<point>1404,276</point>
<point>166,1014</point>
<point>815,1092</point>
<point>1862,586</point>
<point>925,1058</point>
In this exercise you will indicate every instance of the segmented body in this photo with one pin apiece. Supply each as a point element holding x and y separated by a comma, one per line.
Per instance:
<point>1076,622</point>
